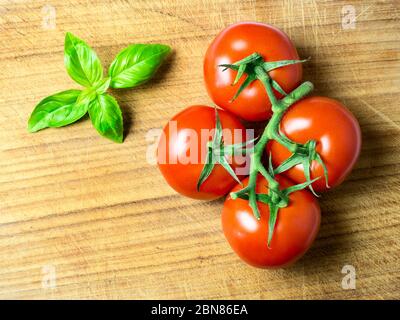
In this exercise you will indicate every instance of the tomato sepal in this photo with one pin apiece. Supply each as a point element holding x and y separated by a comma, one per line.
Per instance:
<point>272,65</point>
<point>303,154</point>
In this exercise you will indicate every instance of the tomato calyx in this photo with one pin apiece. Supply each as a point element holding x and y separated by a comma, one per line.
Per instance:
<point>303,154</point>
<point>249,65</point>
<point>276,199</point>
<point>217,152</point>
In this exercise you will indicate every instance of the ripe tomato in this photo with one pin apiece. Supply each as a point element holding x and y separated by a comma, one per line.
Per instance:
<point>336,132</point>
<point>237,42</point>
<point>181,154</point>
<point>295,230</point>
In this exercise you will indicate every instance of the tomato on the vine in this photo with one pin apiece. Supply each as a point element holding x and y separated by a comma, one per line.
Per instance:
<point>237,42</point>
<point>336,132</point>
<point>295,230</point>
<point>183,146</point>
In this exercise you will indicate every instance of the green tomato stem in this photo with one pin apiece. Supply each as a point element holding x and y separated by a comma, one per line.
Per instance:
<point>257,69</point>
<point>271,131</point>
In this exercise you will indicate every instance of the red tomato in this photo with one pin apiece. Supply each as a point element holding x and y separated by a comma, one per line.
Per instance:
<point>181,156</point>
<point>237,42</point>
<point>336,132</point>
<point>295,230</point>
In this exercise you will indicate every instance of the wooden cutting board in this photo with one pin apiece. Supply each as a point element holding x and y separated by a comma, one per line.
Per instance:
<point>83,217</point>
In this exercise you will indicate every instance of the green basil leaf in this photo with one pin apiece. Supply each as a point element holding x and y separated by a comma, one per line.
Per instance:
<point>57,110</point>
<point>106,117</point>
<point>81,61</point>
<point>136,64</point>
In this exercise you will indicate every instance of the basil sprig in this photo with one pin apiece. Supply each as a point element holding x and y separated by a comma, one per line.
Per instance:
<point>133,66</point>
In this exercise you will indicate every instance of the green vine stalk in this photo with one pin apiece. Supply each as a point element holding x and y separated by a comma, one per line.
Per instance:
<point>255,68</point>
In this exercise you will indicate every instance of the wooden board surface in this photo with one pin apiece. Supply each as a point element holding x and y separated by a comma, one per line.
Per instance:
<point>102,220</point>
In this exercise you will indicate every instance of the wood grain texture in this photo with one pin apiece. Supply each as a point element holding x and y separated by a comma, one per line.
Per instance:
<point>104,218</point>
